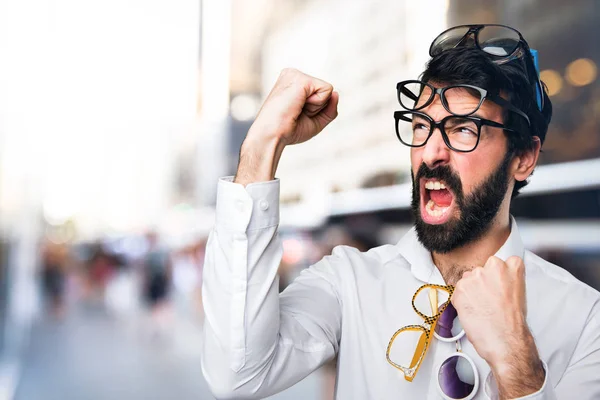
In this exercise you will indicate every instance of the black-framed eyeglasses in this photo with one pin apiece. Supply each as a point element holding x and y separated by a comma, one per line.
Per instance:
<point>459,133</point>
<point>414,95</point>
<point>500,42</point>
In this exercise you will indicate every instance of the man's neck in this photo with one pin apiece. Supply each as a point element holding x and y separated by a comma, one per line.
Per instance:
<point>453,264</point>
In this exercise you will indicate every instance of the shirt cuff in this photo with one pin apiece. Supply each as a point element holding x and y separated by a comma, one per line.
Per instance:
<point>491,389</point>
<point>240,208</point>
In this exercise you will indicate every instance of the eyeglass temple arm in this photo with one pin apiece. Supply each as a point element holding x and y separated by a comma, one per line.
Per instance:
<point>419,350</point>
<point>520,53</point>
<point>503,103</point>
<point>433,302</point>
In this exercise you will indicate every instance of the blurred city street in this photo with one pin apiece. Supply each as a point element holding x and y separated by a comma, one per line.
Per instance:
<point>91,355</point>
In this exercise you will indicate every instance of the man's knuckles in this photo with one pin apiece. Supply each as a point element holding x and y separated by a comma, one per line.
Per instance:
<point>494,263</point>
<point>516,265</point>
<point>463,286</point>
<point>306,86</point>
<point>288,73</point>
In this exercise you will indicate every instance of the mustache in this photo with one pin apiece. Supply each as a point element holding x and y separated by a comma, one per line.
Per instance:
<point>442,173</point>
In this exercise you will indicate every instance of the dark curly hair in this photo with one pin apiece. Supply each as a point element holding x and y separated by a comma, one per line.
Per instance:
<point>468,65</point>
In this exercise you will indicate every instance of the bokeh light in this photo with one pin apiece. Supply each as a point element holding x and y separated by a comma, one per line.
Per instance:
<point>553,81</point>
<point>581,72</point>
<point>244,107</point>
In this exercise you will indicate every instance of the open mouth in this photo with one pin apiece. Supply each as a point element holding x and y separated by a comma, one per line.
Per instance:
<point>437,201</point>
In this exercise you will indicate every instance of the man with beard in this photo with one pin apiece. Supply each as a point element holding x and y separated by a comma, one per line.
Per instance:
<point>531,330</point>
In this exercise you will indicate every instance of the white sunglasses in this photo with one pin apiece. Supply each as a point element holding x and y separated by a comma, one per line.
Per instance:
<point>457,376</point>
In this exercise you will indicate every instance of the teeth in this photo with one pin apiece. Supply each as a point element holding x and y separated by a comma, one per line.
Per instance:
<point>434,185</point>
<point>434,212</point>
<point>430,205</point>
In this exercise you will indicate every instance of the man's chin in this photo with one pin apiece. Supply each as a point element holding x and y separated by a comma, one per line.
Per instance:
<point>437,237</point>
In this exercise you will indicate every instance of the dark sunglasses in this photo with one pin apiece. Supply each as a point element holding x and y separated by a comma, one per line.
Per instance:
<point>500,42</point>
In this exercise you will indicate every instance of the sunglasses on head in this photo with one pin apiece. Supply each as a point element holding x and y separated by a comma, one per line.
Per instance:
<point>500,42</point>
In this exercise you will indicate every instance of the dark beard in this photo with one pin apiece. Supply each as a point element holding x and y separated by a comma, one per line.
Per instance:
<point>477,210</point>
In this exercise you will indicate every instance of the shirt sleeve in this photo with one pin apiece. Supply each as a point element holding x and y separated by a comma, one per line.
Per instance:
<point>257,342</point>
<point>581,379</point>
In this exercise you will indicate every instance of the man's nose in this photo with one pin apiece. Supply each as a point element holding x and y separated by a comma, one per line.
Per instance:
<point>435,151</point>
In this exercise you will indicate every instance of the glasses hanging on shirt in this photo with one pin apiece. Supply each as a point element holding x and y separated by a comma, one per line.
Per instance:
<point>409,345</point>
<point>457,376</point>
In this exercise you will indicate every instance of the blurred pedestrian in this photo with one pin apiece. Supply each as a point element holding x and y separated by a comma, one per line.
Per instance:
<point>101,268</point>
<point>186,278</point>
<point>53,273</point>
<point>157,270</point>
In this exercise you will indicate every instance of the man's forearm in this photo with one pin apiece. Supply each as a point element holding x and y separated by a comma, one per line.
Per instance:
<point>258,160</point>
<point>520,373</point>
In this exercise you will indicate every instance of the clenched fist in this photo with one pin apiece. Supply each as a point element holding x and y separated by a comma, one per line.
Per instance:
<point>297,109</point>
<point>492,309</point>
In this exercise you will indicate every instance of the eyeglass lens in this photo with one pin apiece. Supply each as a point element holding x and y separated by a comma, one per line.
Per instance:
<point>448,325</point>
<point>422,301</point>
<point>457,377</point>
<point>498,40</point>
<point>414,95</point>
<point>404,348</point>
<point>449,40</point>
<point>462,132</point>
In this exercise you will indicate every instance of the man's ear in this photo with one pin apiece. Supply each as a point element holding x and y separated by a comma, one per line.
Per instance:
<point>524,163</point>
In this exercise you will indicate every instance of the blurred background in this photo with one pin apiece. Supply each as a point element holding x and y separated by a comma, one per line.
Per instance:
<point>118,116</point>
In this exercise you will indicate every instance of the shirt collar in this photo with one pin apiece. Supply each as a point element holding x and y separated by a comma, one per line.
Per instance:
<point>421,263</point>
<point>419,258</point>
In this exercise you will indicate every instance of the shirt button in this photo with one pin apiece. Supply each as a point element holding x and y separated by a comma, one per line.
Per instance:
<point>264,205</point>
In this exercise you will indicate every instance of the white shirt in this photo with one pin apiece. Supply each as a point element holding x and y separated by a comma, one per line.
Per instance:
<point>258,342</point>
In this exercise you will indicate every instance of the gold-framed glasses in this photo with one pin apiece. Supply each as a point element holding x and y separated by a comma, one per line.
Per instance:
<point>408,345</point>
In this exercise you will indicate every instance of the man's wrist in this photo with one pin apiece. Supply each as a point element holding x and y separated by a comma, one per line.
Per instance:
<point>259,157</point>
<point>520,372</point>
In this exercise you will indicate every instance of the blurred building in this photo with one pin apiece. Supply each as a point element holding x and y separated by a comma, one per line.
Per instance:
<point>356,173</point>
<point>95,101</point>
<point>564,34</point>
<point>364,53</point>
